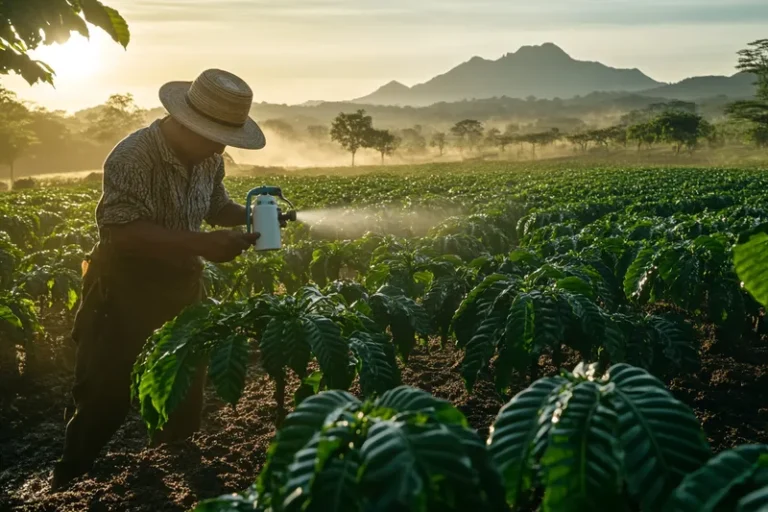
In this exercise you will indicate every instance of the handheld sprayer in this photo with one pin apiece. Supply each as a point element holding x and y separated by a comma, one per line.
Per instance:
<point>266,217</point>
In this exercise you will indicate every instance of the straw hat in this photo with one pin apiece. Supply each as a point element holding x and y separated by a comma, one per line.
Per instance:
<point>216,105</point>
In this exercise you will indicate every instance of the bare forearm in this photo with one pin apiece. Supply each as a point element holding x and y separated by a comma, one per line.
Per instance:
<point>230,215</point>
<point>149,240</point>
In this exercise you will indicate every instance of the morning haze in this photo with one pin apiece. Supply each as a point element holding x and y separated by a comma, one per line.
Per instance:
<point>393,255</point>
<point>294,51</point>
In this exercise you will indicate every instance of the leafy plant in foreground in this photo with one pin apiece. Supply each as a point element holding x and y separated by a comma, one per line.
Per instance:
<point>405,318</point>
<point>735,479</point>
<point>290,331</point>
<point>596,442</point>
<point>406,450</point>
<point>697,275</point>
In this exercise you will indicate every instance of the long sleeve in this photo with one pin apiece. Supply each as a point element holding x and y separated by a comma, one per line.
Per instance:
<point>126,195</point>
<point>219,197</point>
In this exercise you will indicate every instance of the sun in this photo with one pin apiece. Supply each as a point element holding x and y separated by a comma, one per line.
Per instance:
<point>77,58</point>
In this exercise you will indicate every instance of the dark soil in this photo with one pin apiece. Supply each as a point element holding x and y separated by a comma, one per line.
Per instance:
<point>728,395</point>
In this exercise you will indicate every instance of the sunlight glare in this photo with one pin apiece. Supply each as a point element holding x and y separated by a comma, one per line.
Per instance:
<point>78,58</point>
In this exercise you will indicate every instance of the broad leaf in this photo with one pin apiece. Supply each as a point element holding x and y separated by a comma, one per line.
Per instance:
<point>751,262</point>
<point>706,489</point>
<point>229,358</point>
<point>660,436</point>
<point>582,463</point>
<point>514,432</point>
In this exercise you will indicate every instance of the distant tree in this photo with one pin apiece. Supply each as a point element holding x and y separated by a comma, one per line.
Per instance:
<point>754,112</point>
<point>511,129</point>
<point>28,24</point>
<point>505,140</point>
<point>682,128</point>
<point>617,134</point>
<point>352,131</point>
<point>438,141</point>
<point>581,140</point>
<point>646,133</point>
<point>540,139</point>
<point>468,132</point>
<point>16,135</point>
<point>318,132</point>
<point>384,142</point>
<point>412,141</point>
<point>118,117</point>
<point>755,60</point>
<point>280,127</point>
<point>492,137</point>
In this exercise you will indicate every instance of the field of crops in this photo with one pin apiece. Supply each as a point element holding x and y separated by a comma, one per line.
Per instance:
<point>438,337</point>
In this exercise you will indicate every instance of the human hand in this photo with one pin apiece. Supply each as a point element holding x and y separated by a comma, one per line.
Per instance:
<point>225,245</point>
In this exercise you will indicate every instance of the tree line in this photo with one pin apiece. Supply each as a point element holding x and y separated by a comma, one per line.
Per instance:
<point>53,141</point>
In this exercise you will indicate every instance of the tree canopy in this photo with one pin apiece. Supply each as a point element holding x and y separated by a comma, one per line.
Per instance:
<point>27,24</point>
<point>352,131</point>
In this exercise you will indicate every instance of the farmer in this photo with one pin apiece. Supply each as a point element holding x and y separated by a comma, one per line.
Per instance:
<point>160,184</point>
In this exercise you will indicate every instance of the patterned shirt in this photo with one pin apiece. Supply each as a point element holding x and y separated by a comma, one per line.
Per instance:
<point>143,180</point>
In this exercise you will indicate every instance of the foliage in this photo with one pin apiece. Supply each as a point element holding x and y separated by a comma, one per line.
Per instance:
<point>352,131</point>
<point>406,450</point>
<point>119,115</point>
<point>16,135</point>
<point>28,24</point>
<point>754,60</point>
<point>438,141</point>
<point>596,442</point>
<point>384,142</point>
<point>468,133</point>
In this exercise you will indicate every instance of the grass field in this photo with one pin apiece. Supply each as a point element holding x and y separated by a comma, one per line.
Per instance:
<point>469,281</point>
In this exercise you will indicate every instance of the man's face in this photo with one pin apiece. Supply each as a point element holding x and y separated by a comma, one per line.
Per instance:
<point>198,148</point>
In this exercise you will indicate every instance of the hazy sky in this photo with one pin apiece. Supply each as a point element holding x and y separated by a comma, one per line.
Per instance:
<point>291,51</point>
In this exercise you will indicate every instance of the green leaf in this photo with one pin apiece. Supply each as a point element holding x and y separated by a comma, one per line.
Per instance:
<point>400,461</point>
<point>6,315</point>
<point>309,386</point>
<point>511,442</point>
<point>576,285</point>
<point>582,462</point>
<point>108,19</point>
<point>334,484</point>
<point>247,501</point>
<point>639,274</point>
<point>172,373</point>
<point>705,489</point>
<point>480,349</point>
<point>299,428</point>
<point>377,364</point>
<point>228,366</point>
<point>751,261</point>
<point>756,501</point>
<point>318,479</point>
<point>404,399</point>
<point>331,350</point>
<point>660,436</point>
<point>272,346</point>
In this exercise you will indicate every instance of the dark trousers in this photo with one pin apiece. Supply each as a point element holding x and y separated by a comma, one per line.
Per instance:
<point>123,302</point>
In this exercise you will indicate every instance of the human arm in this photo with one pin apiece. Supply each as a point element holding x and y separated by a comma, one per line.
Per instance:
<point>223,211</point>
<point>146,239</point>
<point>126,218</point>
<point>229,215</point>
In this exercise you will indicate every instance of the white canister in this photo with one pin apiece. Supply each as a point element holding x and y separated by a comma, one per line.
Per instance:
<point>264,221</point>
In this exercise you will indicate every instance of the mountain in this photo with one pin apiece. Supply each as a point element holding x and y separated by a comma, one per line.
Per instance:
<point>544,71</point>
<point>738,86</point>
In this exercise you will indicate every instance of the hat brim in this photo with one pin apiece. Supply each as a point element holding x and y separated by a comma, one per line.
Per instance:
<point>173,98</point>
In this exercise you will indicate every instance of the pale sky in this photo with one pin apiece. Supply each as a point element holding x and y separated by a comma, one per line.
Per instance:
<point>291,51</point>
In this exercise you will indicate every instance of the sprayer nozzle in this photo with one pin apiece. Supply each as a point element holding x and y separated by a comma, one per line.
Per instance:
<point>283,217</point>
